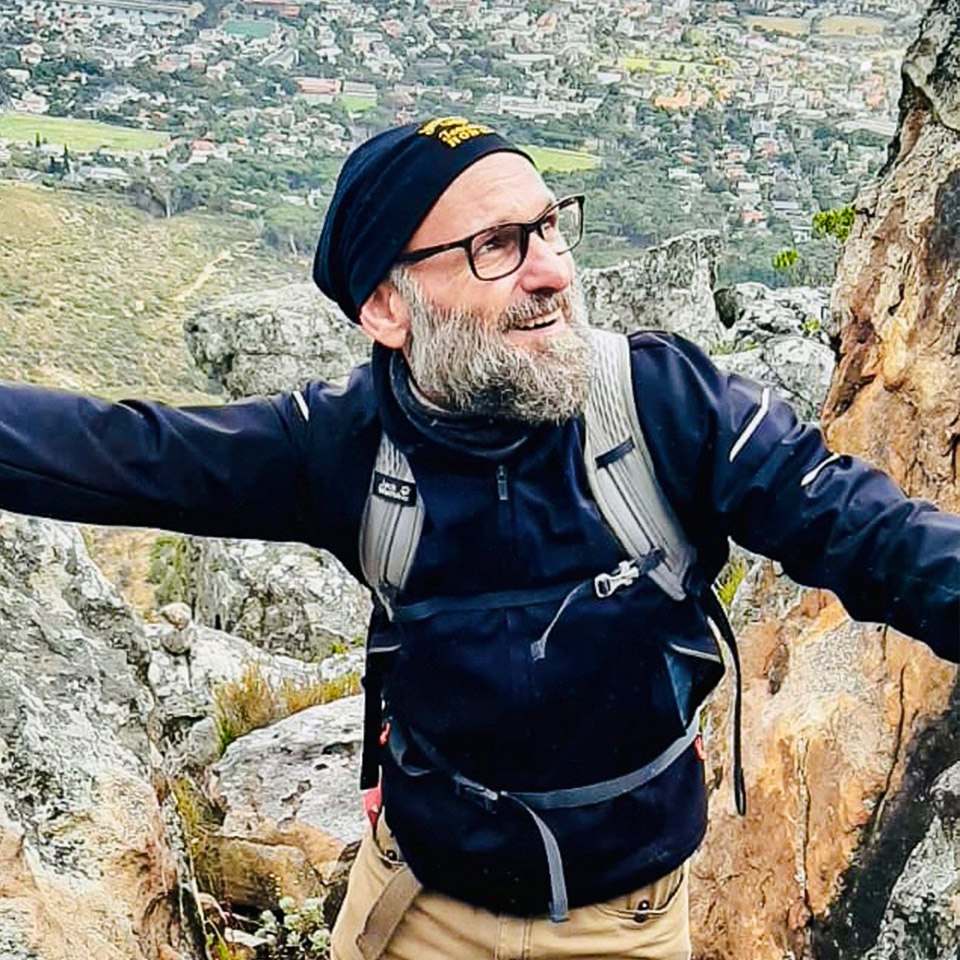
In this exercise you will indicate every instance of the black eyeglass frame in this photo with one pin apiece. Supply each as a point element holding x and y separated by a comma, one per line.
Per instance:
<point>415,256</point>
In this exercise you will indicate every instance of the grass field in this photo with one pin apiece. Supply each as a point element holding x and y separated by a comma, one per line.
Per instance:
<point>554,160</point>
<point>356,104</point>
<point>852,26</point>
<point>792,26</point>
<point>78,135</point>
<point>249,29</point>
<point>669,67</point>
<point>648,65</point>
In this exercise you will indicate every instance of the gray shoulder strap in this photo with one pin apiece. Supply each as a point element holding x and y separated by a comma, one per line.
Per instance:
<point>391,524</point>
<point>620,471</point>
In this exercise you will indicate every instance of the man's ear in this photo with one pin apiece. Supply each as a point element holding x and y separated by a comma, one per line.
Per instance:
<point>384,316</point>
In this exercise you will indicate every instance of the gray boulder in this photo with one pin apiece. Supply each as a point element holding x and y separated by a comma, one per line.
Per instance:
<point>259,343</point>
<point>291,810</point>
<point>798,368</point>
<point>85,865</point>
<point>752,312</point>
<point>305,767</point>
<point>287,598</point>
<point>667,287</point>
<point>920,922</point>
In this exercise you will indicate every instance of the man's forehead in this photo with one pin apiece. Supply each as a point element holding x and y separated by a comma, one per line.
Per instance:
<point>498,188</point>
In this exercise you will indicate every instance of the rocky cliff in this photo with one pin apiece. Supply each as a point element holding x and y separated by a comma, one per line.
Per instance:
<point>851,734</point>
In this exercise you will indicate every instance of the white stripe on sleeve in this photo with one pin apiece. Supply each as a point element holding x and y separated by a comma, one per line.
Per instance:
<point>751,427</point>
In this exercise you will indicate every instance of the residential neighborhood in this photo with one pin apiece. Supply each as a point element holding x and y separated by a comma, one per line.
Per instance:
<point>746,116</point>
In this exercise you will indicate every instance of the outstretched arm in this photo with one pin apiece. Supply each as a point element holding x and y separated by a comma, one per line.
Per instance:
<point>234,470</point>
<point>736,460</point>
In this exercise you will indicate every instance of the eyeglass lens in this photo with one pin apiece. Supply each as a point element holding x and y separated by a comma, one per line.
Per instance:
<point>500,250</point>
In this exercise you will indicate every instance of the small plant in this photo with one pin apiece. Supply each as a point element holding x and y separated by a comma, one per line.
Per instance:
<point>254,701</point>
<point>169,570</point>
<point>731,576</point>
<point>300,934</point>
<point>199,819</point>
<point>837,223</point>
<point>785,260</point>
<point>811,326</point>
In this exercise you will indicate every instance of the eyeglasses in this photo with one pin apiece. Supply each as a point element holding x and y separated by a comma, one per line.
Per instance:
<point>498,251</point>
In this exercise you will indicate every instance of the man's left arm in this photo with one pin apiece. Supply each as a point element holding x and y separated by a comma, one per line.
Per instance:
<point>831,521</point>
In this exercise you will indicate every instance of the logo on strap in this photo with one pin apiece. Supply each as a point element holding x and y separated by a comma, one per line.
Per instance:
<point>394,490</point>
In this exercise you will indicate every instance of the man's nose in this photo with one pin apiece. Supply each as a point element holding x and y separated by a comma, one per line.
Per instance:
<point>543,268</point>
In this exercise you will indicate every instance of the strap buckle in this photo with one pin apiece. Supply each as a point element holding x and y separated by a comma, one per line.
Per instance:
<point>606,584</point>
<point>477,792</point>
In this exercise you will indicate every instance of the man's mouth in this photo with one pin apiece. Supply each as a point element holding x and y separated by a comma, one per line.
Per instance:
<point>538,323</point>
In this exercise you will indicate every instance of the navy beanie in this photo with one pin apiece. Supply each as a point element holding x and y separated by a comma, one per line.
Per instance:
<point>385,189</point>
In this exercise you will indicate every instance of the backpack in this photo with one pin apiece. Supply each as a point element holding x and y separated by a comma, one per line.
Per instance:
<point>622,480</point>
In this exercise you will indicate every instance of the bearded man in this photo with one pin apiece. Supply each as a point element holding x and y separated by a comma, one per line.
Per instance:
<point>538,800</point>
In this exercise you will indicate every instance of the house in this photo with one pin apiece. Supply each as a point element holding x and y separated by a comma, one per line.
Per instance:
<point>318,89</point>
<point>124,12</point>
<point>31,54</point>
<point>32,103</point>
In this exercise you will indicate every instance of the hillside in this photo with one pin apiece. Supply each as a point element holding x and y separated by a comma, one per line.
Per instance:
<point>93,292</point>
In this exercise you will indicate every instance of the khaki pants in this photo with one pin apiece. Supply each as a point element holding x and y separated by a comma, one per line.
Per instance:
<point>651,923</point>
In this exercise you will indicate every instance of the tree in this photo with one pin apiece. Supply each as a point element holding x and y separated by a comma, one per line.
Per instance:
<point>836,223</point>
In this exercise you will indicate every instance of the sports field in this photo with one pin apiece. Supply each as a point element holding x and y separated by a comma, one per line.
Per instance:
<point>354,103</point>
<point>249,29</point>
<point>78,135</point>
<point>555,160</point>
<point>670,67</point>
<point>852,26</point>
<point>793,26</point>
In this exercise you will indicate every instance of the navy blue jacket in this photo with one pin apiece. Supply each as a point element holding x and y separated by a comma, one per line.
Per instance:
<point>520,516</point>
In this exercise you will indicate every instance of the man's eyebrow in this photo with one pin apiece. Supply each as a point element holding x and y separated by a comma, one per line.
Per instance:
<point>505,223</point>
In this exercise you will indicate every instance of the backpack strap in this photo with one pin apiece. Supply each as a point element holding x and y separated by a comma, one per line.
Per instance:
<point>620,471</point>
<point>389,535</point>
<point>621,477</point>
<point>391,524</point>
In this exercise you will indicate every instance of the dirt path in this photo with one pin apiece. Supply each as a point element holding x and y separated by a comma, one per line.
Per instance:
<point>224,256</point>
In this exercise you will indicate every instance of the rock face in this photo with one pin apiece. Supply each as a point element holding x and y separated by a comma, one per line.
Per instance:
<point>85,867</point>
<point>287,598</point>
<point>831,712</point>
<point>292,810</point>
<point>922,919</point>
<point>667,287</point>
<point>252,344</point>
<point>898,288</point>
<point>852,735</point>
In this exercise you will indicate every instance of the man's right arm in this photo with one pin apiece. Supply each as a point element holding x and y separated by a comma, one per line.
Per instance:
<point>233,470</point>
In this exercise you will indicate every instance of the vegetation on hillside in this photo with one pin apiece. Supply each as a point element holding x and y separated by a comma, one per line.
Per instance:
<point>94,293</point>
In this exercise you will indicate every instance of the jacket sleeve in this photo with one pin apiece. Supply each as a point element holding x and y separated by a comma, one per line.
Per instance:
<point>233,470</point>
<point>735,456</point>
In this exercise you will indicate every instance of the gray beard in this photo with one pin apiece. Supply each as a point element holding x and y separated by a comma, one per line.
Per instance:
<point>464,364</point>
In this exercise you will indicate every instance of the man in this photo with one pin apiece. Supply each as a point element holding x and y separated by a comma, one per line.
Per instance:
<point>508,681</point>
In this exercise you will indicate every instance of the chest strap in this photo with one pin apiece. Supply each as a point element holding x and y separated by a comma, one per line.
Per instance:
<point>570,798</point>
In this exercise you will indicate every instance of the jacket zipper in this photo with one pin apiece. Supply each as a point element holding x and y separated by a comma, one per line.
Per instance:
<point>503,491</point>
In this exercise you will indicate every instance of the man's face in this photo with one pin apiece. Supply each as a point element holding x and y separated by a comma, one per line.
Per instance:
<point>513,347</point>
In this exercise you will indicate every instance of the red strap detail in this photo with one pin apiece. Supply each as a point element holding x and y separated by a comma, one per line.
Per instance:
<point>373,804</point>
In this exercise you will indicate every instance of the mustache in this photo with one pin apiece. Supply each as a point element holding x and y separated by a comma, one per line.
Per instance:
<point>536,305</point>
